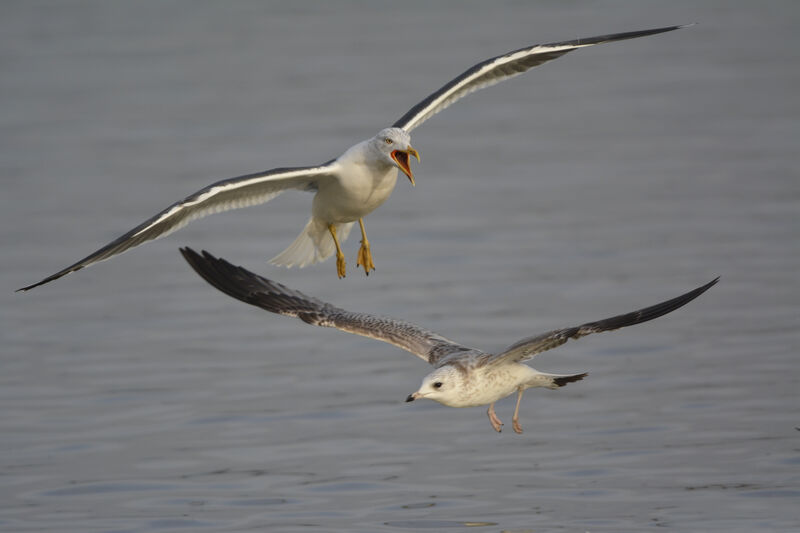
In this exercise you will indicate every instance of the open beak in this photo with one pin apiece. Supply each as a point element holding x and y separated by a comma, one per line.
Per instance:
<point>412,397</point>
<point>401,157</point>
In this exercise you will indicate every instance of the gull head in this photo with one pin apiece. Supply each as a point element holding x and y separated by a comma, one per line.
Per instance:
<point>395,145</point>
<point>444,385</point>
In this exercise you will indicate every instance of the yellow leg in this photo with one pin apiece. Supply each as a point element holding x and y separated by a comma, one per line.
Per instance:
<point>364,255</point>
<point>515,418</point>
<point>340,263</point>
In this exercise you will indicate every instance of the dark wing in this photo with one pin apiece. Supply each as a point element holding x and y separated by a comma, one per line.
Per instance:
<point>503,67</point>
<point>250,288</point>
<point>224,195</point>
<point>527,348</point>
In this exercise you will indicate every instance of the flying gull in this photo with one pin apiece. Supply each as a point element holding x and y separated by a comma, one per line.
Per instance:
<point>462,376</point>
<point>347,188</point>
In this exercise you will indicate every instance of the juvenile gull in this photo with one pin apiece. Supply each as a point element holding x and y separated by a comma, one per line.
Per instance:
<point>347,188</point>
<point>462,376</point>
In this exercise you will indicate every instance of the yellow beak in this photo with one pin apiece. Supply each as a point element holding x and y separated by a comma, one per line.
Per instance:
<point>401,157</point>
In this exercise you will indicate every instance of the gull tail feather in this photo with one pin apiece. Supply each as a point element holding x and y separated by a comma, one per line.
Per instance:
<point>554,381</point>
<point>560,381</point>
<point>313,245</point>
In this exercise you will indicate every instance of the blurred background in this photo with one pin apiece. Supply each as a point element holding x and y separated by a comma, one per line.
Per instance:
<point>135,397</point>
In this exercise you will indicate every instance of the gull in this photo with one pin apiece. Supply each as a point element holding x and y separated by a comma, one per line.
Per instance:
<point>462,376</point>
<point>348,187</point>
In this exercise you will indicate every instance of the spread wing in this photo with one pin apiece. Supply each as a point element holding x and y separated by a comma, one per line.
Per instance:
<point>503,67</point>
<point>527,348</point>
<point>250,288</point>
<point>224,195</point>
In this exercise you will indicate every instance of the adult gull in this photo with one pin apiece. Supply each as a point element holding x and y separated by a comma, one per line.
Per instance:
<point>462,376</point>
<point>348,187</point>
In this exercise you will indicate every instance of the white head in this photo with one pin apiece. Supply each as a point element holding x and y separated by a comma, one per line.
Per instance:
<point>444,385</point>
<point>395,145</point>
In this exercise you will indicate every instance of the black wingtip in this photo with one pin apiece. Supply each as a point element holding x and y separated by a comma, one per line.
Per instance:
<point>700,290</point>
<point>658,310</point>
<point>624,35</point>
<point>235,281</point>
<point>563,380</point>
<point>29,287</point>
<point>188,253</point>
<point>48,279</point>
<point>209,267</point>
<point>203,260</point>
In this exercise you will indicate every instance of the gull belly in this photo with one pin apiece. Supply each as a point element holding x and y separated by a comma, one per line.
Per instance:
<point>489,384</point>
<point>363,191</point>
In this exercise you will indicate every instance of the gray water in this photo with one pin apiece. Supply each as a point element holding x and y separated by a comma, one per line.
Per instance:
<point>136,398</point>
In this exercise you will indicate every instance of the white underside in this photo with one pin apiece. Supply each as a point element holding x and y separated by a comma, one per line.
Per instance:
<point>363,185</point>
<point>488,387</point>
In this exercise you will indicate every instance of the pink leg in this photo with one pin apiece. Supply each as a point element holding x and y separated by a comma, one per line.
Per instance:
<point>496,423</point>
<point>515,418</point>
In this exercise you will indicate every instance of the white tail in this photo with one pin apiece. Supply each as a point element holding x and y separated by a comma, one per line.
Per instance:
<point>314,244</point>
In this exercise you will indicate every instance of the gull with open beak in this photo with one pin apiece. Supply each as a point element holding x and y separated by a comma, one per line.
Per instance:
<point>462,376</point>
<point>349,187</point>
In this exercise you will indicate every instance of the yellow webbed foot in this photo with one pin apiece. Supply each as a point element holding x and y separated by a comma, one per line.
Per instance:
<point>340,265</point>
<point>365,257</point>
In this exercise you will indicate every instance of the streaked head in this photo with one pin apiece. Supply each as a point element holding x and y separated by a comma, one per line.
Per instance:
<point>443,385</point>
<point>395,144</point>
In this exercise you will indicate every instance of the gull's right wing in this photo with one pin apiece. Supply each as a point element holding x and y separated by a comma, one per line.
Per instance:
<point>255,290</point>
<point>233,193</point>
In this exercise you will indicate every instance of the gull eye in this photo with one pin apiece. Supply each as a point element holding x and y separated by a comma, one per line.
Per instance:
<point>387,140</point>
<point>437,385</point>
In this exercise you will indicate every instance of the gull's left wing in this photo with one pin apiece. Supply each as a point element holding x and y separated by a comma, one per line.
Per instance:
<point>250,288</point>
<point>527,348</point>
<point>500,68</point>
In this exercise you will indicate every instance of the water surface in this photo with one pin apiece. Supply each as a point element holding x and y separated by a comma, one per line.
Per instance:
<point>137,398</point>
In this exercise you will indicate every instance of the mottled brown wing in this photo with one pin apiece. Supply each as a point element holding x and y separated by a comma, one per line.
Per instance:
<point>527,348</point>
<point>274,297</point>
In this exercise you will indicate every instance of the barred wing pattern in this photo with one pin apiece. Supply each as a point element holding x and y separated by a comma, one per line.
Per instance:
<point>527,348</point>
<point>500,68</point>
<point>233,193</point>
<point>250,288</point>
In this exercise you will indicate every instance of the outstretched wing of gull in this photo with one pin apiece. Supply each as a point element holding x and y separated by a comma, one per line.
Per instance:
<point>501,68</point>
<point>527,348</point>
<point>224,195</point>
<point>243,285</point>
<point>361,172</point>
<point>462,377</point>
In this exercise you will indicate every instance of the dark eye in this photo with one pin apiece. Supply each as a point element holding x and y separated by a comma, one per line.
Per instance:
<point>437,385</point>
<point>387,140</point>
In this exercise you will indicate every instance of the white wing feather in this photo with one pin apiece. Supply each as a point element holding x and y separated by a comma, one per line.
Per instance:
<point>504,67</point>
<point>233,193</point>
